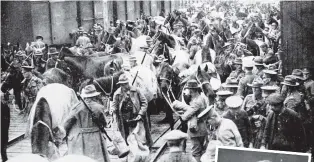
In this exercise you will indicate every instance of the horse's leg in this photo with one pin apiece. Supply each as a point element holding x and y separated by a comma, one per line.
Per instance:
<point>40,134</point>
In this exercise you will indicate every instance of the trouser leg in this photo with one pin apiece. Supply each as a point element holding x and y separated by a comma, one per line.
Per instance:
<point>197,147</point>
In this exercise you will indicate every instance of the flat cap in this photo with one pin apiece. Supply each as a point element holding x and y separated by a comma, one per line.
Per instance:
<point>175,135</point>
<point>275,98</point>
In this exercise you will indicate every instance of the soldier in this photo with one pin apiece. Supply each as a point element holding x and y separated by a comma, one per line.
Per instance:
<point>258,63</point>
<point>297,73</point>
<point>175,140</point>
<point>51,62</point>
<point>39,62</point>
<point>270,78</point>
<point>130,106</point>
<point>133,61</point>
<point>240,118</point>
<point>254,104</point>
<point>225,130</point>
<point>99,36</point>
<point>231,85</point>
<point>196,127</point>
<point>266,91</point>
<point>284,130</point>
<point>258,123</point>
<point>83,40</point>
<point>238,73</point>
<point>308,83</point>
<point>38,44</point>
<point>31,85</point>
<point>194,43</point>
<point>220,105</point>
<point>248,78</point>
<point>83,134</point>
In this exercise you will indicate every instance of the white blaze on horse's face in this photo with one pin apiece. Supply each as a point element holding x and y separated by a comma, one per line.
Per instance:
<point>186,92</point>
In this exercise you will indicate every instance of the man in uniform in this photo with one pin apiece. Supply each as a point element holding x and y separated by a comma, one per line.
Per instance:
<point>31,85</point>
<point>130,106</point>
<point>308,83</point>
<point>248,78</point>
<point>175,140</point>
<point>38,44</point>
<point>133,61</point>
<point>238,73</point>
<point>220,104</point>
<point>196,127</point>
<point>83,40</point>
<point>231,85</point>
<point>239,117</point>
<point>254,104</point>
<point>258,62</point>
<point>284,130</point>
<point>39,62</point>
<point>51,62</point>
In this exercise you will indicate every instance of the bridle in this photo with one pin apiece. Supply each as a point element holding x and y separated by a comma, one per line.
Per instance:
<point>201,83</point>
<point>111,87</point>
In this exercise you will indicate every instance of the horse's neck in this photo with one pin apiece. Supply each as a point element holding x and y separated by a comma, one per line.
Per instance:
<point>77,62</point>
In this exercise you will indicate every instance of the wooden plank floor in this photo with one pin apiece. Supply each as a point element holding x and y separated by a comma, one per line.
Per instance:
<point>24,146</point>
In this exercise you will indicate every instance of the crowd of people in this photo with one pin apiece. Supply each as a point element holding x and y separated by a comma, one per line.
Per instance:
<point>255,107</point>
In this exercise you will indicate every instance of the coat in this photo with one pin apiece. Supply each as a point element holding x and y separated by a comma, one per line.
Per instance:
<point>257,133</point>
<point>309,87</point>
<point>295,102</point>
<point>50,63</point>
<point>84,137</point>
<point>253,106</point>
<point>244,89</point>
<point>198,104</point>
<point>290,131</point>
<point>140,107</point>
<point>241,120</point>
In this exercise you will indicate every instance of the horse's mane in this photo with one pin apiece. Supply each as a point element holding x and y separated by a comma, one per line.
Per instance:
<point>105,81</point>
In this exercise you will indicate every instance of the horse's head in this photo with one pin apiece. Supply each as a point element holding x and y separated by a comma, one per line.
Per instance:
<point>166,76</point>
<point>204,27</point>
<point>203,76</point>
<point>112,67</point>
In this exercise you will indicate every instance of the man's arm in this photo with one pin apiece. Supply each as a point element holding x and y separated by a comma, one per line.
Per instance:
<point>236,133</point>
<point>143,103</point>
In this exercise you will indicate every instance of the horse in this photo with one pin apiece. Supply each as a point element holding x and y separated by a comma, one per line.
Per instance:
<point>52,105</point>
<point>55,75</point>
<point>168,81</point>
<point>203,77</point>
<point>81,67</point>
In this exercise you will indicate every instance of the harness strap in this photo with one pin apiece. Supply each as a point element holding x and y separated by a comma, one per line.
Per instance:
<point>107,94</point>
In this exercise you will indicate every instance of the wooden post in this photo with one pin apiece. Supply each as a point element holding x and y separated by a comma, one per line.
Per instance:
<point>146,8</point>
<point>131,10</point>
<point>121,10</point>
<point>154,9</point>
<point>106,14</point>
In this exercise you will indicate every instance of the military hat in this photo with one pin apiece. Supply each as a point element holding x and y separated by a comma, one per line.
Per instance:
<point>258,60</point>
<point>274,99</point>
<point>224,93</point>
<point>20,53</point>
<point>204,112</point>
<point>89,91</point>
<point>194,25</point>
<point>306,71</point>
<point>238,61</point>
<point>290,80</point>
<point>227,45</point>
<point>123,79</point>
<point>132,58</point>
<point>257,83</point>
<point>192,84</point>
<point>231,83</point>
<point>52,51</point>
<point>234,101</point>
<point>161,58</point>
<point>175,135</point>
<point>271,72</point>
<point>81,29</point>
<point>38,52</point>
<point>297,73</point>
<point>39,37</point>
<point>269,88</point>
<point>28,68</point>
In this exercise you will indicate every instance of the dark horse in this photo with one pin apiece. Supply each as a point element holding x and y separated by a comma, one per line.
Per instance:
<point>82,67</point>
<point>168,82</point>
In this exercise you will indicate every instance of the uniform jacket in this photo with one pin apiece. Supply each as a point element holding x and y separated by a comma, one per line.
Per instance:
<point>50,63</point>
<point>291,128</point>
<point>309,87</point>
<point>295,102</point>
<point>198,104</point>
<point>31,87</point>
<point>140,107</point>
<point>228,134</point>
<point>83,41</point>
<point>241,120</point>
<point>253,106</point>
<point>83,135</point>
<point>244,89</point>
<point>257,133</point>
<point>258,73</point>
<point>238,74</point>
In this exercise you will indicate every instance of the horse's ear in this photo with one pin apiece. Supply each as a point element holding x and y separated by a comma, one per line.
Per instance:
<point>111,64</point>
<point>199,69</point>
<point>206,68</point>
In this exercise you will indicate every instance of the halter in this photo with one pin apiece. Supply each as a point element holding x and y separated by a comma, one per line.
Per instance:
<point>206,25</point>
<point>201,83</point>
<point>111,88</point>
